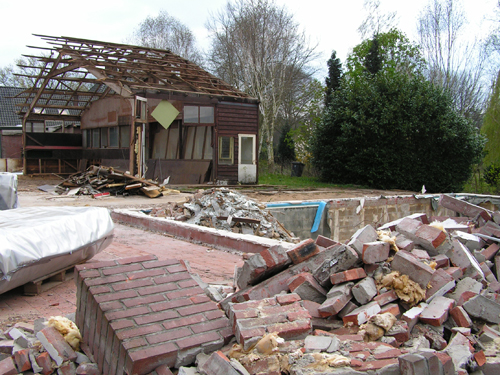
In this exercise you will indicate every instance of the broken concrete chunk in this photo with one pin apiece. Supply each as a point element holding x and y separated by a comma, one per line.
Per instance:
<point>362,236</point>
<point>407,264</point>
<point>481,307</point>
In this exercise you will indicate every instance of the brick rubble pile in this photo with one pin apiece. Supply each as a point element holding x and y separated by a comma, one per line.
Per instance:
<point>411,297</point>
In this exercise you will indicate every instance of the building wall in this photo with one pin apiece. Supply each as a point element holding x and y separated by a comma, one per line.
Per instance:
<point>12,145</point>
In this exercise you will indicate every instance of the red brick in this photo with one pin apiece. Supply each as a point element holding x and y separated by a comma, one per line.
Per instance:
<point>437,312</point>
<point>385,298</point>
<point>127,313</point>
<point>141,331</point>
<point>69,368</point>
<point>287,299</point>
<point>325,241</point>
<point>89,266</point>
<point>442,261</point>
<point>191,310</point>
<point>480,358</point>
<point>121,270</point>
<point>490,251</point>
<point>170,335</point>
<point>176,323</point>
<point>377,364</point>
<point>291,330</point>
<point>200,299</point>
<point>460,317</point>
<point>51,338</point>
<point>465,296</point>
<point>145,274</point>
<point>121,324</point>
<point>146,318</point>
<point>22,359</point>
<point>105,280</point>
<point>362,355</point>
<point>250,333</point>
<point>433,235</point>
<point>163,370</point>
<point>214,314</point>
<point>275,257</point>
<point>439,284</point>
<point>137,259</point>
<point>448,366</point>
<point>303,251</point>
<point>132,302</point>
<point>393,353</point>
<point>89,273</point>
<point>43,360</point>
<point>187,292</point>
<point>107,306</point>
<point>407,264</point>
<point>455,272</point>
<point>392,308</point>
<point>198,340</point>
<point>134,343</point>
<point>362,314</point>
<point>157,289</point>
<point>115,296</point>
<point>211,325</point>
<point>375,252</point>
<point>171,304</point>
<point>421,254</point>
<point>146,360</point>
<point>176,268</point>
<point>349,275</point>
<point>131,284</point>
<point>298,315</point>
<point>160,263</point>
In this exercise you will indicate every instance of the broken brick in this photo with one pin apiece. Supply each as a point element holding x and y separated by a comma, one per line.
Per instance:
<point>439,284</point>
<point>336,299</point>
<point>306,286</point>
<point>303,251</point>
<point>349,275</point>
<point>58,349</point>
<point>362,314</point>
<point>460,317</point>
<point>325,241</point>
<point>385,298</point>
<point>375,252</point>
<point>362,236</point>
<point>22,359</point>
<point>364,290</point>
<point>407,264</point>
<point>436,313</point>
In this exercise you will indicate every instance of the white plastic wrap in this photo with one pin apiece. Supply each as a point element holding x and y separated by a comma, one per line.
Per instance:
<point>8,191</point>
<point>36,241</point>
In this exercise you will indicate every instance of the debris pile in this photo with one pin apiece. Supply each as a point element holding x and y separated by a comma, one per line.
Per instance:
<point>410,297</point>
<point>228,210</point>
<point>100,181</point>
<point>45,347</point>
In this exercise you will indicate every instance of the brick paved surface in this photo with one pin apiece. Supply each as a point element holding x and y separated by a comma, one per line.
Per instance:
<point>210,264</point>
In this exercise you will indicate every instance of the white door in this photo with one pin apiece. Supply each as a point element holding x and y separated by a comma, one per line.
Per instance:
<point>247,160</point>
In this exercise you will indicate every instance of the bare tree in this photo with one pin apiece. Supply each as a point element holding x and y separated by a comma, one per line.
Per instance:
<point>453,64</point>
<point>22,74</point>
<point>376,22</point>
<point>257,47</point>
<point>167,32</point>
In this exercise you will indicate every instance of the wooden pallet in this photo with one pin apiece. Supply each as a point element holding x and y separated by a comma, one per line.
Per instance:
<point>47,282</point>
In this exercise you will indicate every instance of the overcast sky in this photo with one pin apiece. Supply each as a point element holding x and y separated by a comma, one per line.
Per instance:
<point>331,24</point>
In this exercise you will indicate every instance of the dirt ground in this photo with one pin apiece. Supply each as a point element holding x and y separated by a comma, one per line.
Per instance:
<point>212,265</point>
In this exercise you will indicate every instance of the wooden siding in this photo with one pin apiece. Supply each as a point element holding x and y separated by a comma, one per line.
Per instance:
<point>234,119</point>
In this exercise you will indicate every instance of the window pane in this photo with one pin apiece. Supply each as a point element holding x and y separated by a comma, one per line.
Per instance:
<point>124,136</point>
<point>206,115</point>
<point>95,138</point>
<point>191,114</point>
<point>246,150</point>
<point>104,137</point>
<point>226,150</point>
<point>113,137</point>
<point>38,127</point>
<point>84,138</point>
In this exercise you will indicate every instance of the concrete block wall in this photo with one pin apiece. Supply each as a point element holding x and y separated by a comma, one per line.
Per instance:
<point>136,314</point>
<point>348,215</point>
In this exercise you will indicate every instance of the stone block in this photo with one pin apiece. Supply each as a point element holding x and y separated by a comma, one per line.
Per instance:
<point>375,252</point>
<point>303,251</point>
<point>364,291</point>
<point>349,275</point>
<point>481,307</point>
<point>460,317</point>
<point>306,286</point>
<point>362,236</point>
<point>407,264</point>
<point>362,314</point>
<point>436,313</point>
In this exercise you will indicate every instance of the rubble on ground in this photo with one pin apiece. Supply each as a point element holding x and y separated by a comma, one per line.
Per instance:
<point>101,181</point>
<point>429,305</point>
<point>226,209</point>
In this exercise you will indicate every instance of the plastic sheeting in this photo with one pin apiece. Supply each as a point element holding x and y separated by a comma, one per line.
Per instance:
<point>8,191</point>
<point>49,237</point>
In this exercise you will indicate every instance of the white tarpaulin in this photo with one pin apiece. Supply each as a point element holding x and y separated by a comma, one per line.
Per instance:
<point>49,238</point>
<point>8,191</point>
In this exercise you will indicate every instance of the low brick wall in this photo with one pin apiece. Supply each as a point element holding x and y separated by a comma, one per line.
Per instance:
<point>198,234</point>
<point>136,314</point>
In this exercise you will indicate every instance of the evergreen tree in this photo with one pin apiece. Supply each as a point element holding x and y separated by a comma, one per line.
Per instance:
<point>334,76</point>
<point>491,126</point>
<point>373,60</point>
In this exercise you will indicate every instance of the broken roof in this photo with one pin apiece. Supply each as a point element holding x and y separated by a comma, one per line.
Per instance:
<point>80,71</point>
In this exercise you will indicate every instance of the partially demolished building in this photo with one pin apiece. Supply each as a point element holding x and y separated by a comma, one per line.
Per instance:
<point>142,110</point>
